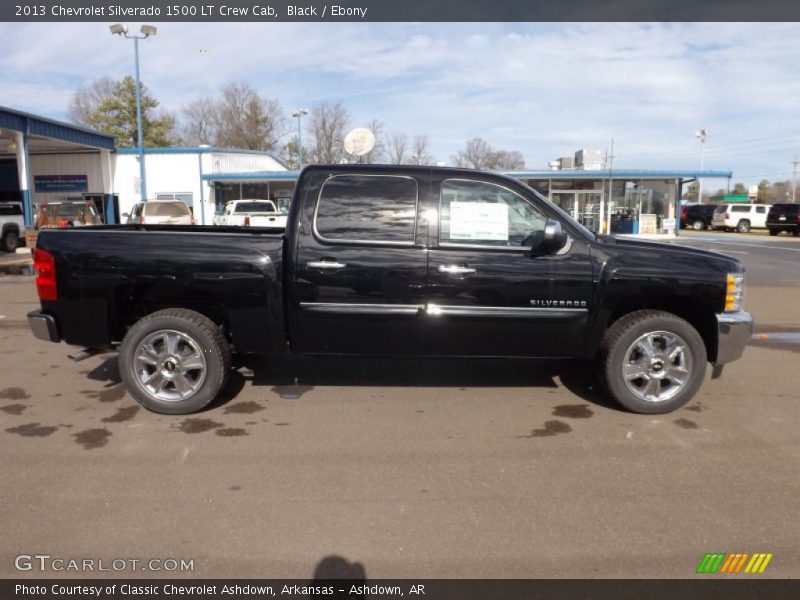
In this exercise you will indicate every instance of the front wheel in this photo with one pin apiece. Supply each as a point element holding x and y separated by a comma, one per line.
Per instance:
<point>743,226</point>
<point>652,362</point>
<point>174,361</point>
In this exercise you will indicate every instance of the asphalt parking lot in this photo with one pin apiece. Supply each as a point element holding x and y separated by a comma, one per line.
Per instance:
<point>410,468</point>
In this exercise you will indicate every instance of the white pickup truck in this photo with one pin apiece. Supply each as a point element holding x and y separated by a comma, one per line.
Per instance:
<point>12,225</point>
<point>250,213</point>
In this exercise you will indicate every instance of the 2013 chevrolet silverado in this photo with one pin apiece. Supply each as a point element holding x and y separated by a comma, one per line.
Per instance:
<point>394,261</point>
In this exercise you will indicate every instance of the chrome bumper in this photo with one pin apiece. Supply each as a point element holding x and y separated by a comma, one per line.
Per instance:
<point>43,326</point>
<point>734,330</point>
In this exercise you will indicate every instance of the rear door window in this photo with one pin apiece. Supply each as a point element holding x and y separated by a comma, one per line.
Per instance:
<point>367,208</point>
<point>166,209</point>
<point>740,209</point>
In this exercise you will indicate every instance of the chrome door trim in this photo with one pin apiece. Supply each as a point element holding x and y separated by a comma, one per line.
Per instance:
<point>362,309</point>
<point>516,312</point>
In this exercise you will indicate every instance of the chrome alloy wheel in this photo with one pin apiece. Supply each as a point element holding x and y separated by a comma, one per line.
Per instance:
<point>657,366</point>
<point>169,365</point>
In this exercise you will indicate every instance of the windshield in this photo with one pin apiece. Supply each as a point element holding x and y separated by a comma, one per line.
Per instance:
<point>166,209</point>
<point>254,207</point>
<point>69,209</point>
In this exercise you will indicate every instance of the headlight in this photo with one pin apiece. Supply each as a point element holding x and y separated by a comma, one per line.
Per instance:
<point>734,292</point>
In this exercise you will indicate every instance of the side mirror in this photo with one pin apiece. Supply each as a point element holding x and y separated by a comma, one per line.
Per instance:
<point>126,215</point>
<point>554,236</point>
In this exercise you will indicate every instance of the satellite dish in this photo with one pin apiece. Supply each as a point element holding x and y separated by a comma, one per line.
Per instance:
<point>359,141</point>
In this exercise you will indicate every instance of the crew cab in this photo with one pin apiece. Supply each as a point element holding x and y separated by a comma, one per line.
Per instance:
<point>250,213</point>
<point>393,261</point>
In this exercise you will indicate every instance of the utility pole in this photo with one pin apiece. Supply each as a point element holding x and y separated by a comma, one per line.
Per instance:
<point>795,162</point>
<point>610,160</point>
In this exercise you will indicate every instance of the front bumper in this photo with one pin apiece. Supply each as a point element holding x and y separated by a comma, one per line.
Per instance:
<point>43,326</point>
<point>734,330</point>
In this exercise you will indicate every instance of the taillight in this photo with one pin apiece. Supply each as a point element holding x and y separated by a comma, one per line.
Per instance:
<point>247,220</point>
<point>193,221</point>
<point>45,266</point>
<point>727,215</point>
<point>62,223</point>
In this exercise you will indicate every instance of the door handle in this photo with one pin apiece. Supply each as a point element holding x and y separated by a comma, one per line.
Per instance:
<point>456,269</point>
<point>325,264</point>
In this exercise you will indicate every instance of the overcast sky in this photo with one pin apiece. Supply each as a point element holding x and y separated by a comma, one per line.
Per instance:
<point>543,89</point>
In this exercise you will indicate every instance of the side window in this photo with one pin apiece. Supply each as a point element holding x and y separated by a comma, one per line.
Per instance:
<point>761,209</point>
<point>475,212</point>
<point>367,208</point>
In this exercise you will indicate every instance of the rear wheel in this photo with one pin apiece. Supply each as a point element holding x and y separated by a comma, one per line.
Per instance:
<point>743,226</point>
<point>652,362</point>
<point>10,241</point>
<point>174,361</point>
<point>774,232</point>
<point>698,225</point>
<point>796,231</point>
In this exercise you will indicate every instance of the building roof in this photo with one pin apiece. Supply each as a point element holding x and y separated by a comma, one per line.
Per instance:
<point>16,120</point>
<point>193,150</point>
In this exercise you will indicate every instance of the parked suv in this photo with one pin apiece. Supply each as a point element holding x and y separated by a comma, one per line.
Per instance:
<point>698,216</point>
<point>161,212</point>
<point>784,217</point>
<point>741,217</point>
<point>11,224</point>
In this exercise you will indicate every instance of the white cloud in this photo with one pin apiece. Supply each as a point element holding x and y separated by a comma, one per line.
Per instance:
<point>545,90</point>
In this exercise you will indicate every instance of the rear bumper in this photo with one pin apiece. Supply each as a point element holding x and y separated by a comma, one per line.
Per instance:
<point>43,326</point>
<point>734,330</point>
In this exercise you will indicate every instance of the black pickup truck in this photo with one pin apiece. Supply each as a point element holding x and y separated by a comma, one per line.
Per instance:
<point>392,261</point>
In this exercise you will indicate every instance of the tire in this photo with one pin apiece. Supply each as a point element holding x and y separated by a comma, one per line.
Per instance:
<point>796,231</point>
<point>698,225</point>
<point>743,226</point>
<point>156,351</point>
<point>774,232</point>
<point>10,241</point>
<point>622,346</point>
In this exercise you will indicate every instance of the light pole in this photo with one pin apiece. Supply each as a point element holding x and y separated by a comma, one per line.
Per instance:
<point>701,135</point>
<point>147,31</point>
<point>298,114</point>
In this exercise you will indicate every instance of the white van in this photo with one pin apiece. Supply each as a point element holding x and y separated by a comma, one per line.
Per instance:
<point>741,217</point>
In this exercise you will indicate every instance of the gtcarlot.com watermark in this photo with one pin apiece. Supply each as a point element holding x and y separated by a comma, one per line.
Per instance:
<point>47,563</point>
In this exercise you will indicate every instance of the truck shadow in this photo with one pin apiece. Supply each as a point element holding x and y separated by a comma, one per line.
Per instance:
<point>297,373</point>
<point>291,376</point>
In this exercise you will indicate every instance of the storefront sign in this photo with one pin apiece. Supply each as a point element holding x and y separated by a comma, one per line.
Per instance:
<point>648,224</point>
<point>60,183</point>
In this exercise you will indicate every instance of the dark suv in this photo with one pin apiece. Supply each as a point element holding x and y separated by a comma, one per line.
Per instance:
<point>698,216</point>
<point>784,217</point>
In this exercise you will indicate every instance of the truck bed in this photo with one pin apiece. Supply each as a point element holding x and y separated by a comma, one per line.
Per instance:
<point>109,276</point>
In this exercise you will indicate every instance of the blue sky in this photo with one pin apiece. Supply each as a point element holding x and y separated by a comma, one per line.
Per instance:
<point>543,89</point>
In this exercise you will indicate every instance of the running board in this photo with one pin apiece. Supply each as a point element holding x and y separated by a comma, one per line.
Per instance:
<point>83,354</point>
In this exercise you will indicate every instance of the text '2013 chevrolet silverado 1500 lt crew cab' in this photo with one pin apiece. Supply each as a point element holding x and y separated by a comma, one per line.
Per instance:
<point>392,261</point>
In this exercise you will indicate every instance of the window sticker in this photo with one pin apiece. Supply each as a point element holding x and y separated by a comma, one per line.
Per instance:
<point>479,221</point>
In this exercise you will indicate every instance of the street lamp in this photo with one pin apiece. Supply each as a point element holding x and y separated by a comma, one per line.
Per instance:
<point>298,114</point>
<point>147,31</point>
<point>701,135</point>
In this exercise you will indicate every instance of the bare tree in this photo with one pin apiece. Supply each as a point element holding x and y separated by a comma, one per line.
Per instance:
<point>420,149</point>
<point>327,127</point>
<point>84,102</point>
<point>478,154</point>
<point>200,118</point>
<point>397,147</point>
<point>376,155</point>
<point>506,160</point>
<point>247,120</point>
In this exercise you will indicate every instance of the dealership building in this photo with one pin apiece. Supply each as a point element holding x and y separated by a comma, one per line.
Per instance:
<point>44,160</point>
